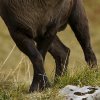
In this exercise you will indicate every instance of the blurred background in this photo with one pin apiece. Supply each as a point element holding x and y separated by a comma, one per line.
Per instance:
<point>15,66</point>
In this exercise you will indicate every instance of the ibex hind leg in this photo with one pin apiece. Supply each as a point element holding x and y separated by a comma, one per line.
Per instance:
<point>79,24</point>
<point>61,55</point>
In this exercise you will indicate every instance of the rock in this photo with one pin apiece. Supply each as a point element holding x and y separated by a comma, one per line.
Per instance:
<point>80,93</point>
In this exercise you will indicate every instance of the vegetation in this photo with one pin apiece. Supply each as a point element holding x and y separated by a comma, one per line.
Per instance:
<point>16,69</point>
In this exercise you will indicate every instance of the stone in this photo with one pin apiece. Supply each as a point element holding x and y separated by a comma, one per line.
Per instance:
<point>71,92</point>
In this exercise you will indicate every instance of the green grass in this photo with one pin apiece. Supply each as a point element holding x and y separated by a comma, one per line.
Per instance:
<point>16,69</point>
<point>10,90</point>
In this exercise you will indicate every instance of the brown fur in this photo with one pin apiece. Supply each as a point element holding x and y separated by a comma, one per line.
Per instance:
<point>31,21</point>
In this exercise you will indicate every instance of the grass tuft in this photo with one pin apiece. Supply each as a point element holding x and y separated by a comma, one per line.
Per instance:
<point>84,77</point>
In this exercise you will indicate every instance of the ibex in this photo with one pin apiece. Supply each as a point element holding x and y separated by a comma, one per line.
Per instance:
<point>33,25</point>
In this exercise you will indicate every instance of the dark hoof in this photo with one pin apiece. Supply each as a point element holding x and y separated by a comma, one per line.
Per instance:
<point>39,84</point>
<point>91,60</point>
